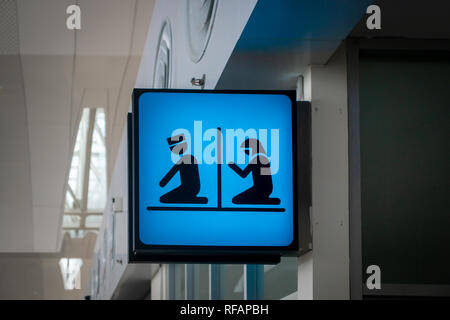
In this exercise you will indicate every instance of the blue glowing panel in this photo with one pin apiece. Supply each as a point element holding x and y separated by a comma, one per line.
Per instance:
<point>215,169</point>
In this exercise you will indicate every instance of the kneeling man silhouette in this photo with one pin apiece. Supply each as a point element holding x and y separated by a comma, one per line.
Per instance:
<point>189,176</point>
<point>259,167</point>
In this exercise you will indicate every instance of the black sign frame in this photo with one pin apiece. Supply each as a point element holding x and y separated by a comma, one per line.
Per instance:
<point>140,252</point>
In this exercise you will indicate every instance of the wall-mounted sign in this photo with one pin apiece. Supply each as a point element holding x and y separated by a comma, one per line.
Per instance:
<point>213,175</point>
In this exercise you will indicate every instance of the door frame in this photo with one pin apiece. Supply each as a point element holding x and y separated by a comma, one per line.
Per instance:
<point>354,46</point>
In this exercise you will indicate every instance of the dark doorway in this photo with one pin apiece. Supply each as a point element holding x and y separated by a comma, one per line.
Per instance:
<point>404,100</point>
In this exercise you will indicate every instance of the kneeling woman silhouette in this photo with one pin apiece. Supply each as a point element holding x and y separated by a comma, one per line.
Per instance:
<point>259,167</point>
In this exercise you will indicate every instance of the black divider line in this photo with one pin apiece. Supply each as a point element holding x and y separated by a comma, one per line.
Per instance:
<point>219,167</point>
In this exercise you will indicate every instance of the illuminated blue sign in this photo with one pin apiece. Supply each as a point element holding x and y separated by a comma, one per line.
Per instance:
<point>215,168</point>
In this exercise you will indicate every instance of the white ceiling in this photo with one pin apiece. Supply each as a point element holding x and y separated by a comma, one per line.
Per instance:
<point>47,75</point>
<point>9,37</point>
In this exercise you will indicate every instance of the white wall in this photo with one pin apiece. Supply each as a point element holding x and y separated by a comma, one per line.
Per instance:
<point>231,17</point>
<point>118,188</point>
<point>328,264</point>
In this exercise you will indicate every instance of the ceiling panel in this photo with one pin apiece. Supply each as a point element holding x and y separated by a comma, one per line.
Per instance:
<point>16,216</point>
<point>106,27</point>
<point>9,36</point>
<point>42,25</point>
<point>57,73</point>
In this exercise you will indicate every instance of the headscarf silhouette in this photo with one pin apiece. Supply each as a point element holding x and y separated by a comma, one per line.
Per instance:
<point>189,176</point>
<point>259,167</point>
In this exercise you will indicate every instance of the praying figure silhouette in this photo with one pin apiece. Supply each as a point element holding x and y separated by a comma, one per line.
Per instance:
<point>189,176</point>
<point>259,167</point>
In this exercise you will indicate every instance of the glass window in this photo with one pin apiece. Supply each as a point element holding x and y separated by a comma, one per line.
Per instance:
<point>79,233</point>
<point>71,221</point>
<point>70,202</point>
<point>232,281</point>
<point>177,282</point>
<point>281,280</point>
<point>87,185</point>
<point>71,272</point>
<point>97,173</point>
<point>201,281</point>
<point>93,221</point>
<point>75,183</point>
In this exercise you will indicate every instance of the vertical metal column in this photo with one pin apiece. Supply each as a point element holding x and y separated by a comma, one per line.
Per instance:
<point>254,280</point>
<point>189,281</point>
<point>215,275</point>
<point>171,281</point>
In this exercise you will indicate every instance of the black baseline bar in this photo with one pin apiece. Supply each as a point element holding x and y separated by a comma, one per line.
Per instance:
<point>215,209</point>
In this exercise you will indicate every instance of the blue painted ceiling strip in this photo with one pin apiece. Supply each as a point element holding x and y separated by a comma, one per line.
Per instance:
<point>284,24</point>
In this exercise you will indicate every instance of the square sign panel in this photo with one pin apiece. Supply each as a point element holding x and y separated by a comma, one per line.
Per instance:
<point>213,173</point>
